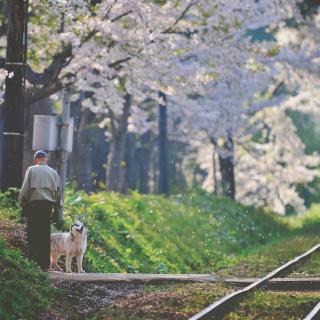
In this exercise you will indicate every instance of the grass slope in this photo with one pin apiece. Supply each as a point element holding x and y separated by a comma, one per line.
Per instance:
<point>259,262</point>
<point>304,234</point>
<point>136,233</point>
<point>24,291</point>
<point>153,234</point>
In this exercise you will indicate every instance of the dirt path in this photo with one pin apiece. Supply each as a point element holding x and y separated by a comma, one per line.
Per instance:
<point>78,300</point>
<point>123,300</point>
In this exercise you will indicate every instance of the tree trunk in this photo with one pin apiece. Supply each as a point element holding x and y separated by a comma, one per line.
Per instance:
<point>214,172</point>
<point>144,160</point>
<point>12,112</point>
<point>84,152</point>
<point>154,171</point>
<point>226,163</point>
<point>163,148</point>
<point>131,160</point>
<point>117,166</point>
<point>101,150</point>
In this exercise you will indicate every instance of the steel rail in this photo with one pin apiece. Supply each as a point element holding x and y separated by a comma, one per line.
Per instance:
<point>314,314</point>
<point>282,284</point>
<point>226,304</point>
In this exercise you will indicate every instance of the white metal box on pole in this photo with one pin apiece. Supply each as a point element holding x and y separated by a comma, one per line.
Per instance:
<point>53,133</point>
<point>45,133</point>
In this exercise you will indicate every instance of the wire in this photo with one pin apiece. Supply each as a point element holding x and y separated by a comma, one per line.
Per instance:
<point>24,62</point>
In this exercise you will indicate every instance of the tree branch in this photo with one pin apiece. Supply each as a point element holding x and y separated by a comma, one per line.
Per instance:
<point>49,79</point>
<point>168,30</point>
<point>51,73</point>
<point>121,16</point>
<point>33,94</point>
<point>113,119</point>
<point>182,15</point>
<point>115,64</point>
<point>106,16</point>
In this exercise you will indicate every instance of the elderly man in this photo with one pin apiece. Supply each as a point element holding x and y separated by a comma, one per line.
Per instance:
<point>40,194</point>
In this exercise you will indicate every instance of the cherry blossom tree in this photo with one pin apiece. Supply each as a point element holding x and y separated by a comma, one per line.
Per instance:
<point>148,68</point>
<point>297,66</point>
<point>270,169</point>
<point>197,52</point>
<point>293,70</point>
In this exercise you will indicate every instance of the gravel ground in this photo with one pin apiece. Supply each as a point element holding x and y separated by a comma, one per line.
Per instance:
<point>79,300</point>
<point>178,301</point>
<point>122,300</point>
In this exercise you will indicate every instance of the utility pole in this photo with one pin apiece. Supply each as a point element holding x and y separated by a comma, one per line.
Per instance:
<point>53,133</point>
<point>12,110</point>
<point>64,138</point>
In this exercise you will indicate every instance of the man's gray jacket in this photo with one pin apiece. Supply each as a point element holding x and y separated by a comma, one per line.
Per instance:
<point>41,182</point>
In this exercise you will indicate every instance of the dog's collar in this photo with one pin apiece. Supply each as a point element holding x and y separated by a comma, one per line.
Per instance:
<point>72,236</point>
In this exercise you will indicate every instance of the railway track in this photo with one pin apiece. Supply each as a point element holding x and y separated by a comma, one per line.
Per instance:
<point>226,304</point>
<point>314,313</point>
<point>283,284</point>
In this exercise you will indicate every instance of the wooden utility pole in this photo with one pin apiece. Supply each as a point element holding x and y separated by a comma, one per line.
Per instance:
<point>12,111</point>
<point>65,123</point>
<point>163,147</point>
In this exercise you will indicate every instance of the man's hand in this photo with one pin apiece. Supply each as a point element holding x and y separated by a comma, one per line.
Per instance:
<point>23,217</point>
<point>55,216</point>
<point>23,220</point>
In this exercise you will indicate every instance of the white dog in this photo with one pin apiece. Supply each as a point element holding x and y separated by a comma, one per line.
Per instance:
<point>70,244</point>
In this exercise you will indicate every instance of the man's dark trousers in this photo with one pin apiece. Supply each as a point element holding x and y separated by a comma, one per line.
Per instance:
<point>38,214</point>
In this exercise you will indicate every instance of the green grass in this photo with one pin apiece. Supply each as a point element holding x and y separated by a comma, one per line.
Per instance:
<point>260,261</point>
<point>153,234</point>
<point>181,301</point>
<point>302,235</point>
<point>310,268</point>
<point>9,207</point>
<point>24,291</point>
<point>307,222</point>
<point>166,301</point>
<point>275,306</point>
